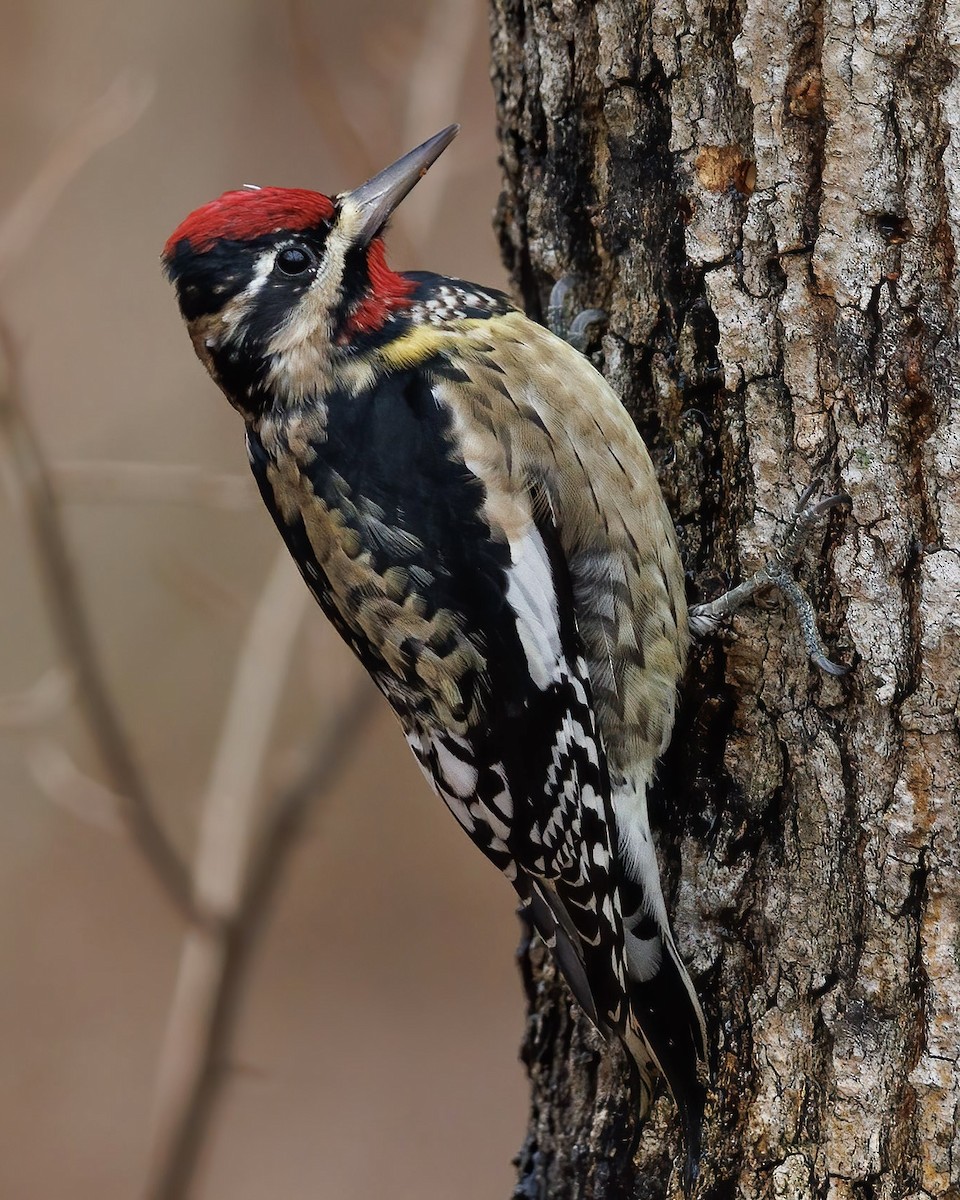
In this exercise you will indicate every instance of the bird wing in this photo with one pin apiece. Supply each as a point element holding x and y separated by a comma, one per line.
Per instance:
<point>527,406</point>
<point>617,583</point>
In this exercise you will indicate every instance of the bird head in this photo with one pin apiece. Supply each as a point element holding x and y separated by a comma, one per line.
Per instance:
<point>276,284</point>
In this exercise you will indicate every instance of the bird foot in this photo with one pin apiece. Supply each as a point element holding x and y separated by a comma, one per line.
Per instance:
<point>704,618</point>
<point>577,331</point>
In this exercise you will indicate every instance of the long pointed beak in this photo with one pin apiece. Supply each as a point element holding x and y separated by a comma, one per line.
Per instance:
<point>376,199</point>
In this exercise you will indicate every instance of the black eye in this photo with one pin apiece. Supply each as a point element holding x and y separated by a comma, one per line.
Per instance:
<point>294,260</point>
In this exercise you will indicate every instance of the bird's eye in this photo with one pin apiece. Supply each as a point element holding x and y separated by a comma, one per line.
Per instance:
<point>294,260</point>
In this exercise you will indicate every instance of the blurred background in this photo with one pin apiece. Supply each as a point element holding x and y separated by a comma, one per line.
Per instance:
<point>375,1053</point>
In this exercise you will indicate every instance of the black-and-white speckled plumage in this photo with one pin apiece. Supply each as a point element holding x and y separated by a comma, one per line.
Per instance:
<point>476,513</point>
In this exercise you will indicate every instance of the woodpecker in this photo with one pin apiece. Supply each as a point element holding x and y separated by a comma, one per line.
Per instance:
<point>476,513</point>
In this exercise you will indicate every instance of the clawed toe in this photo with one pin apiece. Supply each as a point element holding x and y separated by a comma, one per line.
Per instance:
<point>577,331</point>
<point>777,573</point>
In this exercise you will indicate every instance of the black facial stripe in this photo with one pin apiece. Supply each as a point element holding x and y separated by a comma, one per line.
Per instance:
<point>272,305</point>
<point>356,284</point>
<point>207,280</point>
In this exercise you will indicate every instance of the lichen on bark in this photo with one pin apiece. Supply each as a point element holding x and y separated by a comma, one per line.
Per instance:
<point>764,196</point>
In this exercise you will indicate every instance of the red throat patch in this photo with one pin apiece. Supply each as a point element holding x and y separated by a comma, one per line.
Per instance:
<point>246,214</point>
<point>388,292</point>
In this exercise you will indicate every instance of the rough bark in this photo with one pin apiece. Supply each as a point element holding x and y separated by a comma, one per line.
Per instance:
<point>765,198</point>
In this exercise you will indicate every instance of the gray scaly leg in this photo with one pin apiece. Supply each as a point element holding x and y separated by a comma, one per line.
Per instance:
<point>776,573</point>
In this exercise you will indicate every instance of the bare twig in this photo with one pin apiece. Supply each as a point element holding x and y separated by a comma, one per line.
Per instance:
<point>198,583</point>
<point>55,773</point>
<point>229,806</point>
<point>227,818</point>
<point>214,969</point>
<point>435,83</point>
<point>106,481</point>
<point>345,136</point>
<point>28,479</point>
<point>27,470</point>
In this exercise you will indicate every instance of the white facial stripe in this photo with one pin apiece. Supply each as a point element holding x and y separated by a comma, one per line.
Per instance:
<point>301,347</point>
<point>349,218</point>
<point>316,304</point>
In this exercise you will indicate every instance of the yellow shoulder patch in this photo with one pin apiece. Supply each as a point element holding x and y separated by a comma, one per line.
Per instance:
<point>414,347</point>
<point>423,341</point>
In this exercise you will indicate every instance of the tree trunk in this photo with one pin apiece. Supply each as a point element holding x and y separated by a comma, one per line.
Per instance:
<point>763,197</point>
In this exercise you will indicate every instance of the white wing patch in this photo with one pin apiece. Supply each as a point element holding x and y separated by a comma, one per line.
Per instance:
<point>531,596</point>
<point>530,586</point>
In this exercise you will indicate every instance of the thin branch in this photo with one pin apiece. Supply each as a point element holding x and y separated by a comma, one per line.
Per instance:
<point>59,777</point>
<point>220,966</point>
<point>229,806</point>
<point>435,84</point>
<point>28,473</point>
<point>28,479</point>
<point>226,824</point>
<point>345,136</point>
<point>200,585</point>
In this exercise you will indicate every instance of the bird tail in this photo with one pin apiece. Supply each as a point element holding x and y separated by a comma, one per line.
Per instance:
<point>665,1028</point>
<point>666,1023</point>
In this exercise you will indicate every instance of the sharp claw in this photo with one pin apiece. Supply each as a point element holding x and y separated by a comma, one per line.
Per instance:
<point>556,305</point>
<point>808,623</point>
<point>829,666</point>
<point>586,319</point>
<point>777,574</point>
<point>810,490</point>
<point>805,516</point>
<point>822,506</point>
<point>577,333</point>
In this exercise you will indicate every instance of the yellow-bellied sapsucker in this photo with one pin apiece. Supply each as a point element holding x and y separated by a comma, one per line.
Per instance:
<point>474,510</point>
